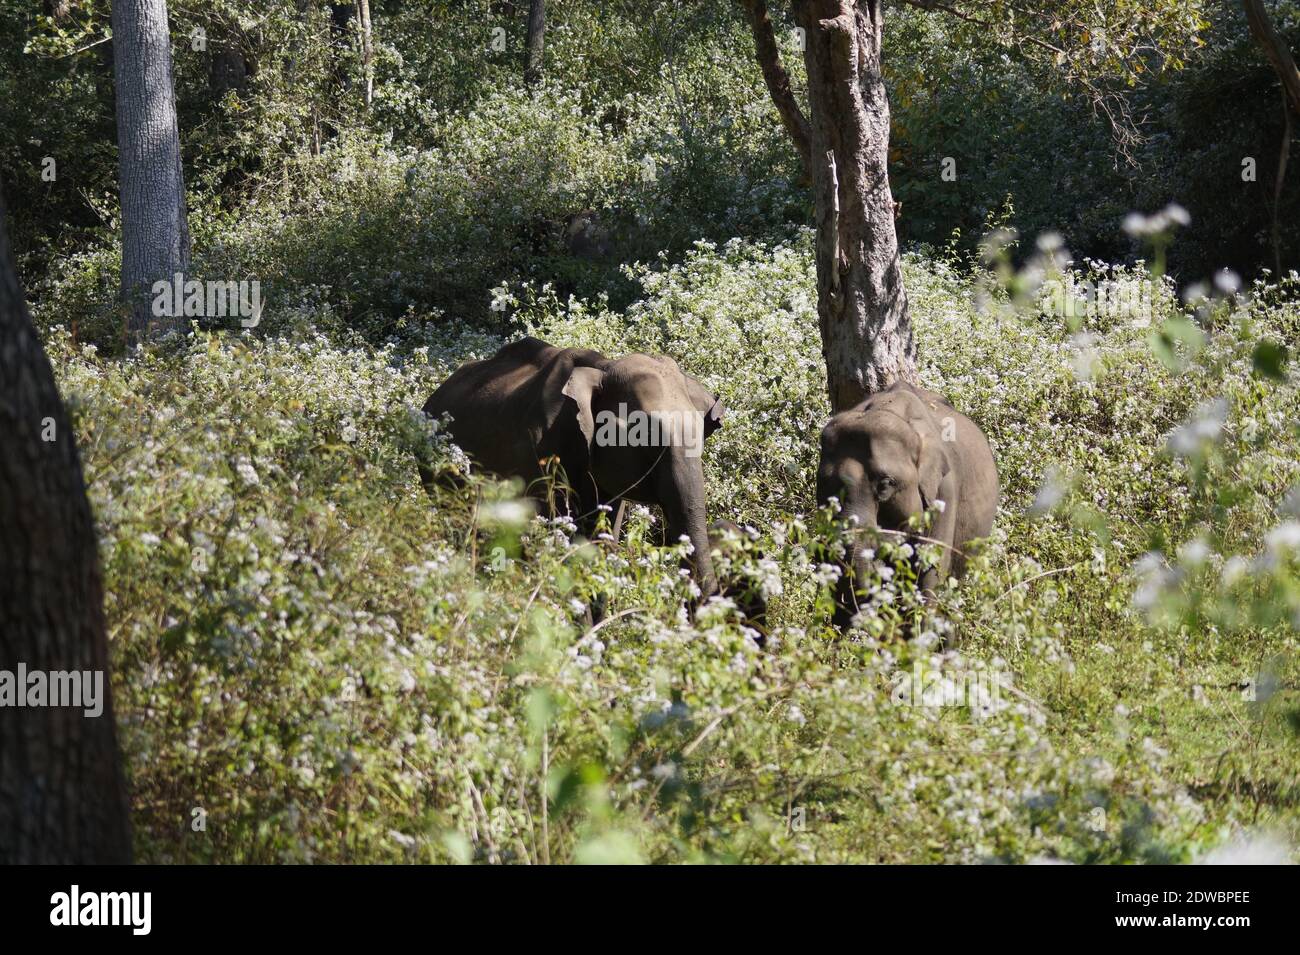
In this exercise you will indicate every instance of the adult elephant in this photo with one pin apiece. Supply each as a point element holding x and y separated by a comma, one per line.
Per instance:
<point>895,455</point>
<point>627,429</point>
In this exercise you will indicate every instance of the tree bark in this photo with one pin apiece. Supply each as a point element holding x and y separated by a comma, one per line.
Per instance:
<point>536,44</point>
<point>155,235</point>
<point>62,795</point>
<point>367,49</point>
<point>862,307</point>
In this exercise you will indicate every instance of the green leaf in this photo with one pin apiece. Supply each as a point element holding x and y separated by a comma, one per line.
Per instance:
<point>1270,359</point>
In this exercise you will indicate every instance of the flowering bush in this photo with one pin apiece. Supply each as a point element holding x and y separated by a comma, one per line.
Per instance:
<point>334,666</point>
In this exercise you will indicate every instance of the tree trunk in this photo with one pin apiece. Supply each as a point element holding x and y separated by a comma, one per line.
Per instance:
<point>536,42</point>
<point>866,330</point>
<point>155,235</point>
<point>1283,63</point>
<point>62,795</point>
<point>1275,49</point>
<point>367,49</point>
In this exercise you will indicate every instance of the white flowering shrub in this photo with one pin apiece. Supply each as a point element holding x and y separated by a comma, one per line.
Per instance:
<point>337,666</point>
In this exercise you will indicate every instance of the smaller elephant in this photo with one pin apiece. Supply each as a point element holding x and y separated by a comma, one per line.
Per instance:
<point>896,455</point>
<point>725,545</point>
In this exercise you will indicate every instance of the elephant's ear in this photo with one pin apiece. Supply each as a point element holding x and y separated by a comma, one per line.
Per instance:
<point>707,403</point>
<point>581,387</point>
<point>933,463</point>
<point>938,482</point>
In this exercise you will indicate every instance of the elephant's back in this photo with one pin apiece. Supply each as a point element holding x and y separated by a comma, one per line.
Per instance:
<point>498,405</point>
<point>490,382</point>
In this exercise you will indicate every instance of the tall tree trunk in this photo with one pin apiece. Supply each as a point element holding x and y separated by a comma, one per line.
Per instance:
<point>340,82</point>
<point>1283,63</point>
<point>62,795</point>
<point>536,44</point>
<point>367,49</point>
<point>155,235</point>
<point>866,329</point>
<point>1275,49</point>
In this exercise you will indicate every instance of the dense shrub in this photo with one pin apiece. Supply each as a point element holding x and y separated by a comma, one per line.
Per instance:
<point>336,667</point>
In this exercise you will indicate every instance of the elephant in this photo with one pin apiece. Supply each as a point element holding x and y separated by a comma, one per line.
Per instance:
<point>626,429</point>
<point>897,454</point>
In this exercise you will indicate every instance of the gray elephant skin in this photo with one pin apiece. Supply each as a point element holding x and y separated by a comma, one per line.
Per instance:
<point>532,401</point>
<point>895,455</point>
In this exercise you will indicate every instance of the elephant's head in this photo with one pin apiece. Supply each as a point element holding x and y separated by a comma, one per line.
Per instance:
<point>642,424</point>
<point>888,464</point>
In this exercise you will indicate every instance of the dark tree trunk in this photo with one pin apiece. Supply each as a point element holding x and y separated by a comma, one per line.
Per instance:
<point>1275,49</point>
<point>536,44</point>
<point>340,83</point>
<point>62,795</point>
<point>155,235</point>
<point>1279,57</point>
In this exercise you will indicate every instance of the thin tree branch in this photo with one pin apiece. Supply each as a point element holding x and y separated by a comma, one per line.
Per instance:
<point>778,80</point>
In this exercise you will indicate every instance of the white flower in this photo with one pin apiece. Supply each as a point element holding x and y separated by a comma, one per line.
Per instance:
<point>1227,281</point>
<point>1141,227</point>
<point>1283,538</point>
<point>247,473</point>
<point>1234,569</point>
<point>1050,494</point>
<point>1205,426</point>
<point>512,513</point>
<point>1194,552</point>
<point>1050,242</point>
<point>1291,503</point>
<point>500,298</point>
<point>1250,849</point>
<point>402,839</point>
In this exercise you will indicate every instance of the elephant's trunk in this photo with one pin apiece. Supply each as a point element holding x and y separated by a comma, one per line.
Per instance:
<point>682,498</point>
<point>862,515</point>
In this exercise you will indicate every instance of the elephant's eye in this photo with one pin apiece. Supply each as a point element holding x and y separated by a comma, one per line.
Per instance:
<point>885,488</point>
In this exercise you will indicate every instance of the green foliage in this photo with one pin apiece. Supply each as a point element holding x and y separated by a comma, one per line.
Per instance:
<point>338,668</point>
